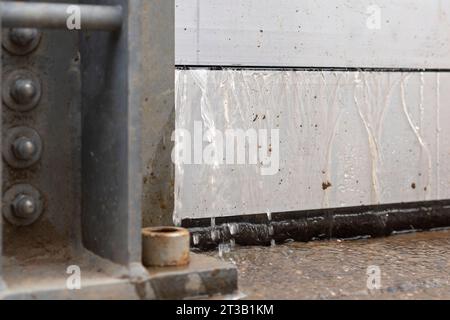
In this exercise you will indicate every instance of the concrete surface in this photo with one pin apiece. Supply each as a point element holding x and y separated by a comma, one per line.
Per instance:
<point>413,266</point>
<point>310,33</point>
<point>45,278</point>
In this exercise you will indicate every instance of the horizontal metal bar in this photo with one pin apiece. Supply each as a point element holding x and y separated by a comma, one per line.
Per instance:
<point>56,16</point>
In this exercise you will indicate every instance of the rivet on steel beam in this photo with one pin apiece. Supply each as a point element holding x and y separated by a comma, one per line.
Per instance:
<point>21,41</point>
<point>24,91</point>
<point>24,148</point>
<point>23,206</point>
<point>21,90</point>
<point>23,36</point>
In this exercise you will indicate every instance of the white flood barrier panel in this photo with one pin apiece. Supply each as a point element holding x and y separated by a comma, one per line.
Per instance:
<point>312,33</point>
<point>323,139</point>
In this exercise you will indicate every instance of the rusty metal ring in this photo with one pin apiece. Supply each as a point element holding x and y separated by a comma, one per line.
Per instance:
<point>165,246</point>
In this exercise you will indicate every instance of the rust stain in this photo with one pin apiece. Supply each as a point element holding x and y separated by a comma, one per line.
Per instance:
<point>326,185</point>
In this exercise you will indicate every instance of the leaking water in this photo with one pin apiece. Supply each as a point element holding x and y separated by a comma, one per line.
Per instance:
<point>195,239</point>
<point>347,139</point>
<point>412,266</point>
<point>233,227</point>
<point>269,215</point>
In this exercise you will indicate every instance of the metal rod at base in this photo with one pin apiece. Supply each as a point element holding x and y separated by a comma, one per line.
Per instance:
<point>60,16</point>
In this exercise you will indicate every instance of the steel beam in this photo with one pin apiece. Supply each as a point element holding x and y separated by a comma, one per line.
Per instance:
<point>112,175</point>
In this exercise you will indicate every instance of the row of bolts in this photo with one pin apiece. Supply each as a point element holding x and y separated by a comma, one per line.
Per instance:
<point>22,92</point>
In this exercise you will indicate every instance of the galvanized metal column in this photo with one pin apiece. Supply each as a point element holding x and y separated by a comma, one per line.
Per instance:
<point>83,190</point>
<point>41,189</point>
<point>112,82</point>
<point>158,113</point>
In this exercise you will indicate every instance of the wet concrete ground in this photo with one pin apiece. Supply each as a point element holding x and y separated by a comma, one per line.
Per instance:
<point>412,266</point>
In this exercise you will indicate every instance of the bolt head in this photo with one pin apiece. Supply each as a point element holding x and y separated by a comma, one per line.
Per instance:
<point>23,206</point>
<point>24,148</point>
<point>23,91</point>
<point>23,36</point>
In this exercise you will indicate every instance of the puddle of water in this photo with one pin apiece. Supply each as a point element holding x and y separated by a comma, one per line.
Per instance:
<point>411,266</point>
